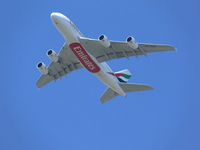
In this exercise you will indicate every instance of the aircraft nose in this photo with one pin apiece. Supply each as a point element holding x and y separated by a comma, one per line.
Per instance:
<point>55,17</point>
<point>55,14</point>
<point>58,17</point>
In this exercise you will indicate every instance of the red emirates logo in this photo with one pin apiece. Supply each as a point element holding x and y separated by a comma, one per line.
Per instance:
<point>84,57</point>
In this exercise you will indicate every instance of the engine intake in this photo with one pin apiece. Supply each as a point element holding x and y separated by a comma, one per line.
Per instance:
<point>52,55</point>
<point>104,40</point>
<point>132,42</point>
<point>42,68</point>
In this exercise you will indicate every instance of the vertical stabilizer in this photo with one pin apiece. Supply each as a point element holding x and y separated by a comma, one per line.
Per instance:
<point>122,76</point>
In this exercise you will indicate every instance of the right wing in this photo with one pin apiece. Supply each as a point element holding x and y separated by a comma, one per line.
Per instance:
<point>67,63</point>
<point>120,49</point>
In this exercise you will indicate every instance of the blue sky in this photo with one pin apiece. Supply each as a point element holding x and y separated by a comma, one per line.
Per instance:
<point>68,114</point>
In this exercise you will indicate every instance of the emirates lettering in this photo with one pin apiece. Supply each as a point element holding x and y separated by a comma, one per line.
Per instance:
<point>84,57</point>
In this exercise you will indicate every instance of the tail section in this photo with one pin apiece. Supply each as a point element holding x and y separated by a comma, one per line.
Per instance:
<point>122,76</point>
<point>127,87</point>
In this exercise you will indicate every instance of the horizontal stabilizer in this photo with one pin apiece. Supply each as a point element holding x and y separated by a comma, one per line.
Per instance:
<point>127,87</point>
<point>130,87</point>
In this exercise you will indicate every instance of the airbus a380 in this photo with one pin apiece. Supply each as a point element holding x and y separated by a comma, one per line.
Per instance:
<point>92,54</point>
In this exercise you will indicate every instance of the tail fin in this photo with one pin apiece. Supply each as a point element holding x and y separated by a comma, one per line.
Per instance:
<point>127,87</point>
<point>123,76</point>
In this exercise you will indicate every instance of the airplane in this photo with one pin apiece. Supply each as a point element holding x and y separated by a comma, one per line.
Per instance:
<point>80,52</point>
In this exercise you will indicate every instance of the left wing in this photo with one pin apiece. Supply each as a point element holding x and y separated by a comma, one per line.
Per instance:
<point>66,64</point>
<point>120,49</point>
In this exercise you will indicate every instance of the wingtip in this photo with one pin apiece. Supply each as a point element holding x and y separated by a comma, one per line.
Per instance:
<point>151,88</point>
<point>173,48</point>
<point>102,102</point>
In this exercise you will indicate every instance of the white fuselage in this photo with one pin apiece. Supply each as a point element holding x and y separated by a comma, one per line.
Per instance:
<point>72,35</point>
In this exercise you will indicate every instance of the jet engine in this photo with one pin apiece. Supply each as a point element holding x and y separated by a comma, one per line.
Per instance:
<point>132,42</point>
<point>42,68</point>
<point>104,40</point>
<point>52,55</point>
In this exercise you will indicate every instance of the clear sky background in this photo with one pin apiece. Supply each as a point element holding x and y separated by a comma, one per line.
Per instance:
<point>68,114</point>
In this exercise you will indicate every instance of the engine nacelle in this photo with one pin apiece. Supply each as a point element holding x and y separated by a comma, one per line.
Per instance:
<point>42,68</point>
<point>52,55</point>
<point>132,42</point>
<point>104,40</point>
